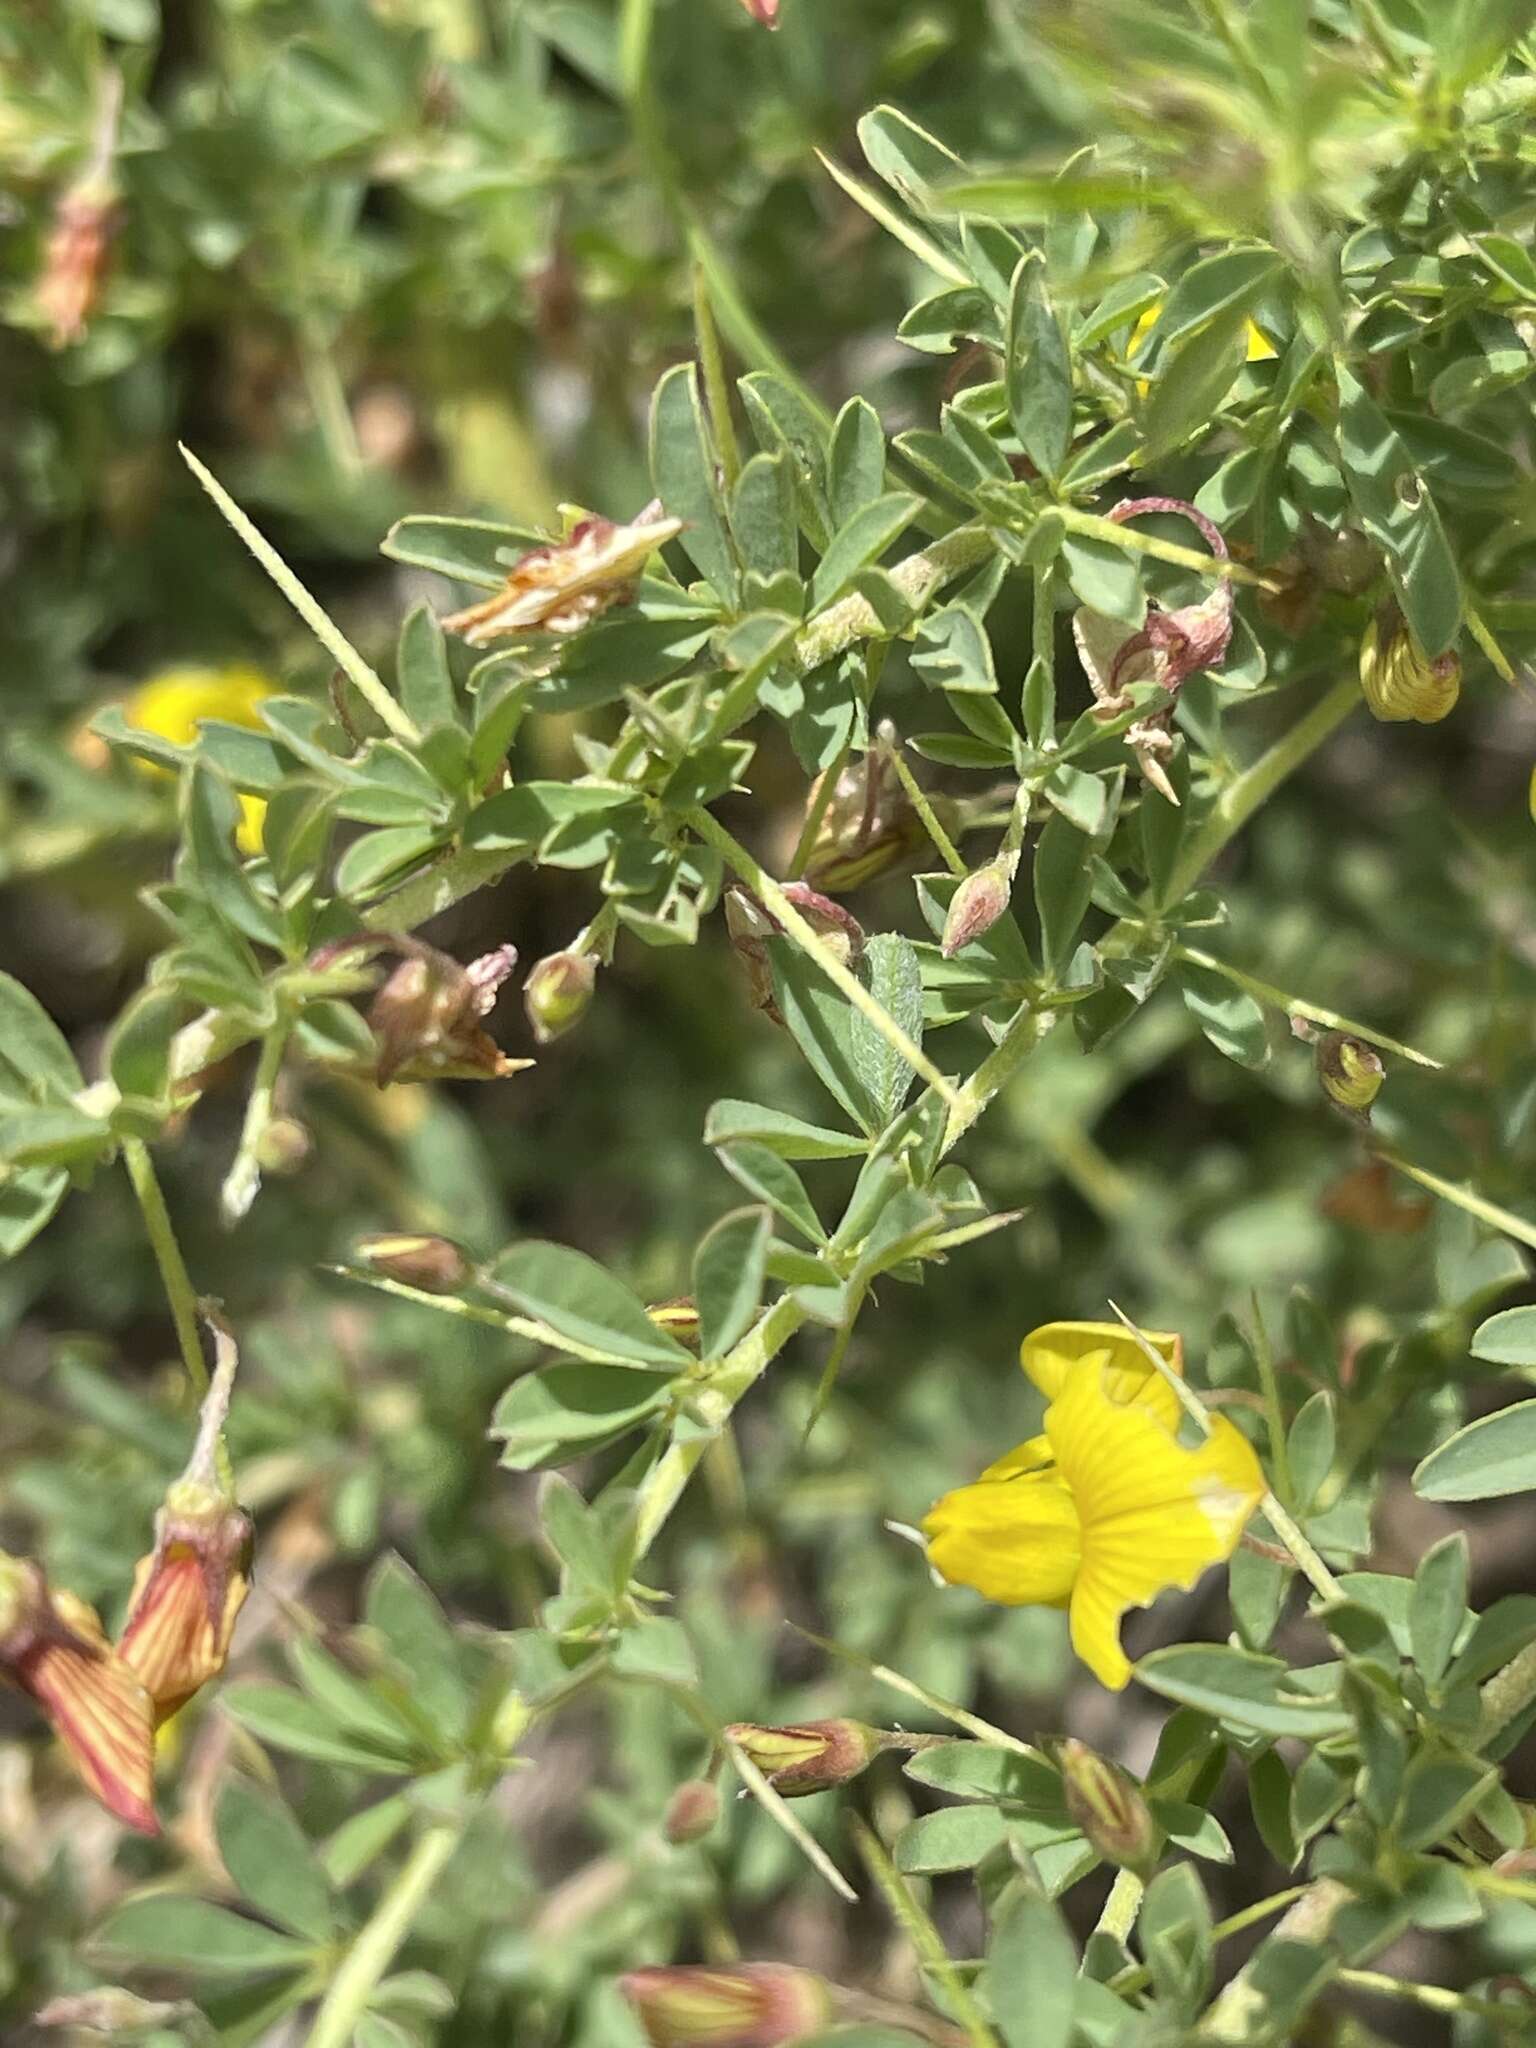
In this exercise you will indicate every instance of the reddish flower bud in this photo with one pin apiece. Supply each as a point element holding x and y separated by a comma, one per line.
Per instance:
<point>52,1647</point>
<point>753,2005</point>
<point>558,993</point>
<point>691,1812</point>
<point>976,905</point>
<point>1109,1807</point>
<point>110,2010</point>
<point>808,1756</point>
<point>433,1264</point>
<point>842,932</point>
<point>85,222</point>
<point>765,11</point>
<point>564,586</point>
<point>189,1590</point>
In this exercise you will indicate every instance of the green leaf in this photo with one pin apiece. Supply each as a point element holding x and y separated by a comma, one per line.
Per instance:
<point>1252,1692</point>
<point>855,461</point>
<point>1269,1795</point>
<point>955,1838</point>
<point>763,516</point>
<point>359,1841</point>
<point>1229,1016</point>
<point>820,1019</point>
<point>36,1064</point>
<point>423,681</point>
<point>1438,1794</point>
<point>1492,1456</point>
<point>567,1411</point>
<point>169,1933</point>
<point>728,1274</point>
<point>1105,578</point>
<point>1231,282</point>
<point>476,551</point>
<point>1039,372</point>
<point>866,535</point>
<point>582,1300</point>
<point>683,464</point>
<point>656,1648</point>
<point>400,1607</point>
<point>789,1136</point>
<point>985,1770</point>
<point>774,1181</point>
<point>1508,1338</point>
<point>1193,377</point>
<point>1063,884</point>
<point>952,650</point>
<point>266,1853</point>
<point>1310,1448</point>
<point>29,1201</point>
<point>1032,1968</point>
<point>1438,1610</point>
<point>894,977</point>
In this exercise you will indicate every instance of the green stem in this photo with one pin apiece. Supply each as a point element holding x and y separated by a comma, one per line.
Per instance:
<point>328,402</point>
<point>1435,1998</point>
<point>1040,706</point>
<point>244,1175</point>
<point>174,1276</point>
<point>1242,797</point>
<point>917,578</point>
<point>923,1935</point>
<point>1297,1006</point>
<point>1465,1198</point>
<point>1274,1412</point>
<point>1122,1906</point>
<point>772,897</point>
<point>1126,1983</point>
<point>917,796</point>
<point>374,1949</point>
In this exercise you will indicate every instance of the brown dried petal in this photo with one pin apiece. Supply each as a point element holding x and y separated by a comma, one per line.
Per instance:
<point>564,586</point>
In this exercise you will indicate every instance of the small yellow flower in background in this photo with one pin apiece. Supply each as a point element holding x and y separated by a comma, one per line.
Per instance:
<point>1106,1509</point>
<point>1260,348</point>
<point>173,703</point>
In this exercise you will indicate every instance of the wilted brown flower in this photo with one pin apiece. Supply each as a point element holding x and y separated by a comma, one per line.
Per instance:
<point>564,586</point>
<point>426,1017</point>
<point>751,924</point>
<point>869,825</point>
<point>85,220</point>
<point>1167,649</point>
<point>189,1591</point>
<point>53,1648</point>
<point>434,1264</point>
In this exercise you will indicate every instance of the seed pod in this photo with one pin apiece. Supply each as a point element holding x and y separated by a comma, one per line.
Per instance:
<point>692,1811</point>
<point>976,905</point>
<point>1109,1807</point>
<point>558,993</point>
<point>1351,1072</point>
<point>434,1264</point>
<point>753,2005</point>
<point>808,1756</point>
<point>1399,680</point>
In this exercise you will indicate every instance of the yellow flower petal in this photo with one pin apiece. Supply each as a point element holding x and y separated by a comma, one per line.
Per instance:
<point>1016,1541</point>
<point>1054,1352</point>
<point>1153,1514</point>
<point>1031,1456</point>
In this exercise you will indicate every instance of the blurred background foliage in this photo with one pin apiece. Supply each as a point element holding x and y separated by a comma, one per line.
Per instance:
<point>379,256</point>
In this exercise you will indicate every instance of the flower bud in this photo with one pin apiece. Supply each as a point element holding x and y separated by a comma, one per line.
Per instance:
<point>808,1756</point>
<point>691,1812</point>
<point>1351,1072</point>
<point>1109,1807</point>
<point>189,1590</point>
<point>1397,677</point>
<point>976,906</point>
<point>753,2005</point>
<point>751,925</point>
<point>868,826</point>
<point>558,993</point>
<point>842,932</point>
<point>434,1264</point>
<point>53,1648</point>
<point>110,2010</point>
<point>679,1318</point>
<point>765,11</point>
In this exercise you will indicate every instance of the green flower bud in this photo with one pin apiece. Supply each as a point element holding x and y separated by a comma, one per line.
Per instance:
<point>753,2005</point>
<point>1109,1807</point>
<point>808,1756</point>
<point>1351,1072</point>
<point>558,993</point>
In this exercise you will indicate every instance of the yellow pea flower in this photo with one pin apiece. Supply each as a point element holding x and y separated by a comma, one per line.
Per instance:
<point>1106,1509</point>
<point>1260,348</point>
<point>173,704</point>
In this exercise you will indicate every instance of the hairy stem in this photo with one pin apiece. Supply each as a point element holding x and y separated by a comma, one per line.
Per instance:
<point>177,1281</point>
<point>923,1935</point>
<point>374,1949</point>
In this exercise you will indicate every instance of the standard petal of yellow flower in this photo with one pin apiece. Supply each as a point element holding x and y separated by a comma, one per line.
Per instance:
<point>1057,1352</point>
<point>174,703</point>
<point>1153,1514</point>
<point>1017,1541</point>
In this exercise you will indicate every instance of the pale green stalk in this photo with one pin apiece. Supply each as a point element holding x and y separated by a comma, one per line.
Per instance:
<point>179,1291</point>
<point>374,1949</point>
<point>1093,526</point>
<point>917,796</point>
<point>1122,1906</point>
<point>925,1938</point>
<point>244,1176</point>
<point>783,1815</point>
<point>1298,1006</point>
<point>1465,1198</point>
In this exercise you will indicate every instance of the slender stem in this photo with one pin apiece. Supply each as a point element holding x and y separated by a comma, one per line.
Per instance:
<point>177,1281</point>
<point>244,1176</point>
<point>822,792</point>
<point>1126,1983</point>
<point>374,1949</point>
<point>1122,1906</point>
<point>1238,2013</point>
<point>1042,630</point>
<point>1094,526</point>
<point>1465,1198</point>
<point>923,1935</point>
<point>1435,1998</point>
<point>996,1070</point>
<point>328,402</point>
<point>935,1703</point>
<point>917,578</point>
<point>917,796</point>
<point>366,682</point>
<point>847,983</point>
<point>1241,798</point>
<point>783,1815</point>
<point>1298,1006</point>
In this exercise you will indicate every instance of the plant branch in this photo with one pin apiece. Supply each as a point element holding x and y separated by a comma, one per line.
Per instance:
<point>1298,1006</point>
<point>177,1281</point>
<point>374,1949</point>
<point>923,1935</point>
